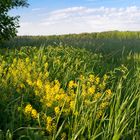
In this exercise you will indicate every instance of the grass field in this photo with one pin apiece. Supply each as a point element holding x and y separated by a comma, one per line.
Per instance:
<point>79,88</point>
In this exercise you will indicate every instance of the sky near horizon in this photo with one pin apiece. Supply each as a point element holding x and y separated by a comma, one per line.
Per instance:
<point>53,17</point>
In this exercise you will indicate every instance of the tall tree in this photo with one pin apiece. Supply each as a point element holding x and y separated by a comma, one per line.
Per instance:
<point>9,24</point>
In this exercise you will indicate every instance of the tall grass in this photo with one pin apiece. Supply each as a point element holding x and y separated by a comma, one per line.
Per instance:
<point>25,71</point>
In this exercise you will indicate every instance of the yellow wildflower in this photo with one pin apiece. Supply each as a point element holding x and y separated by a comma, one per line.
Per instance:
<point>39,83</point>
<point>82,78</point>
<point>28,109</point>
<point>56,88</point>
<point>22,86</point>
<point>83,86</point>
<point>27,60</point>
<point>68,99</point>
<point>47,87</point>
<point>57,110</point>
<point>56,82</point>
<point>14,60</point>
<point>105,77</point>
<point>91,78</point>
<point>87,102</point>
<point>108,92</point>
<point>46,74</point>
<point>84,93</point>
<point>97,96</point>
<point>97,80</point>
<point>102,85</point>
<point>49,120</point>
<point>91,90</point>
<point>72,84</point>
<point>61,91</point>
<point>36,92</point>
<point>76,113</point>
<point>46,65</point>
<point>72,105</point>
<point>29,82</point>
<point>88,83</point>
<point>49,128</point>
<point>49,104</point>
<point>103,105</point>
<point>34,113</point>
<point>99,114</point>
<point>57,97</point>
<point>44,117</point>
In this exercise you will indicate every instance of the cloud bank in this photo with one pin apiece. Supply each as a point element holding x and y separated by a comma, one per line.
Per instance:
<point>83,19</point>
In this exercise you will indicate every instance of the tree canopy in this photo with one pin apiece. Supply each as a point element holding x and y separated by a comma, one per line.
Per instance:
<point>9,24</point>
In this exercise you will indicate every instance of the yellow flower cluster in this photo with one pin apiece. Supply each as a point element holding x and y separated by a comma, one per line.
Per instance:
<point>31,78</point>
<point>54,97</point>
<point>93,89</point>
<point>49,124</point>
<point>29,111</point>
<point>26,72</point>
<point>57,110</point>
<point>72,84</point>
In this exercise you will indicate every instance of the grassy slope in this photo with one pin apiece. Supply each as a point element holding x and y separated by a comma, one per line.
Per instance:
<point>120,119</point>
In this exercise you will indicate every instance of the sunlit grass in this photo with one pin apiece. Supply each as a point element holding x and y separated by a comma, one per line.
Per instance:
<point>68,93</point>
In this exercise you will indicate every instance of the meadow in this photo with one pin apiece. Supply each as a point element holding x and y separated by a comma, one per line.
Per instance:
<point>70,87</point>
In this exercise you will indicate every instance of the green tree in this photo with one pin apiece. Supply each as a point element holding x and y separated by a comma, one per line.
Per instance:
<point>9,24</point>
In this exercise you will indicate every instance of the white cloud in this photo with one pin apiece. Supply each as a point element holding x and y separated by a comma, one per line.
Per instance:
<point>36,9</point>
<point>25,24</point>
<point>83,19</point>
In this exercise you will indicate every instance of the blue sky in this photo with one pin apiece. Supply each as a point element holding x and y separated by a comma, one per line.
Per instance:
<point>48,17</point>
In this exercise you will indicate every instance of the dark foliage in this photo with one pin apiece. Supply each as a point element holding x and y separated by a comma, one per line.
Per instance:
<point>8,24</point>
